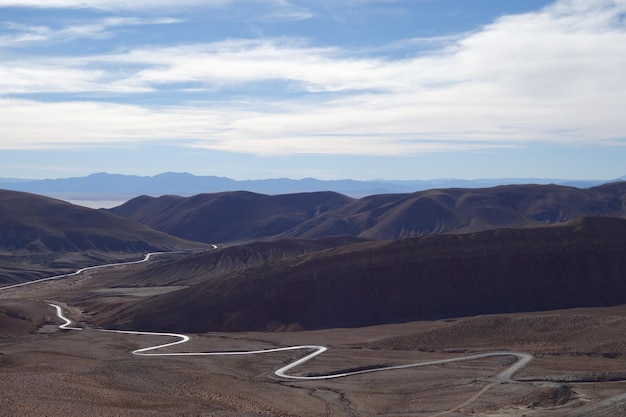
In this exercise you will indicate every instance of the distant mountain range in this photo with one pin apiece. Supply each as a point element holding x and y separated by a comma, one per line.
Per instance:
<point>185,184</point>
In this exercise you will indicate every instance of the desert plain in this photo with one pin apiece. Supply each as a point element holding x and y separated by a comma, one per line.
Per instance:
<point>578,366</point>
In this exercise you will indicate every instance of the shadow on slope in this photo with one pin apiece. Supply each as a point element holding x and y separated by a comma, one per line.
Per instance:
<point>580,263</point>
<point>227,217</point>
<point>196,269</point>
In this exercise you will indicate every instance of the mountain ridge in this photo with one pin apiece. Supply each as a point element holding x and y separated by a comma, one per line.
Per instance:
<point>240,216</point>
<point>186,184</point>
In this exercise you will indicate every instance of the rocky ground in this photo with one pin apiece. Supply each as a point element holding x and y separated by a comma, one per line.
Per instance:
<point>579,367</point>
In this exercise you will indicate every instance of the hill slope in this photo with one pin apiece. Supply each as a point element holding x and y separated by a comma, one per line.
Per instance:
<point>580,263</point>
<point>230,216</point>
<point>47,233</point>
<point>236,216</point>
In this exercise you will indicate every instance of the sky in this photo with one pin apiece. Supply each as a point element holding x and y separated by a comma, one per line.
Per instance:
<point>361,89</point>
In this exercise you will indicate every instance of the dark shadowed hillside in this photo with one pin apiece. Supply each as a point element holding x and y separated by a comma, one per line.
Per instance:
<point>580,263</point>
<point>40,232</point>
<point>237,216</point>
<point>231,216</point>
<point>13,272</point>
<point>202,266</point>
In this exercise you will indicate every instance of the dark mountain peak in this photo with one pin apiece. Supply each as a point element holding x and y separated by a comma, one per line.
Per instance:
<point>228,216</point>
<point>244,215</point>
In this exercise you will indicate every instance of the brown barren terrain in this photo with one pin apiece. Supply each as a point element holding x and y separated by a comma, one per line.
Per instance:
<point>575,264</point>
<point>234,216</point>
<point>441,322</point>
<point>579,365</point>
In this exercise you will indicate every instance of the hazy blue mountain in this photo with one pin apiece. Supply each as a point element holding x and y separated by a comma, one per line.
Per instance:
<point>186,184</point>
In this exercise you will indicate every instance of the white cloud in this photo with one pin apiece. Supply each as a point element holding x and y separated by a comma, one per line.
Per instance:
<point>28,124</point>
<point>20,34</point>
<point>553,76</point>
<point>83,124</point>
<point>237,62</point>
<point>281,9</point>
<point>16,79</point>
<point>110,4</point>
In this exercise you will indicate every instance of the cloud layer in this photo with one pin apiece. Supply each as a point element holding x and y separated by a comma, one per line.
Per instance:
<point>109,4</point>
<point>552,76</point>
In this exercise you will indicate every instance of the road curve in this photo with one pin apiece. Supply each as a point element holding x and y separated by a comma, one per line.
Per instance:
<point>504,376</point>
<point>315,350</point>
<point>80,271</point>
<point>66,325</point>
<point>146,258</point>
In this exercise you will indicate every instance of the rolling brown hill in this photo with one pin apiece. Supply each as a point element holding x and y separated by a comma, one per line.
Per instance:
<point>40,233</point>
<point>229,216</point>
<point>579,263</point>
<point>236,216</point>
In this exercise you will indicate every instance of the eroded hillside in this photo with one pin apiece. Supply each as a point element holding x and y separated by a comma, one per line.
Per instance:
<point>227,217</point>
<point>580,263</point>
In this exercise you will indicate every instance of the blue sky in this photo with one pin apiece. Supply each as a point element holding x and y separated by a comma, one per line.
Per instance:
<point>363,89</point>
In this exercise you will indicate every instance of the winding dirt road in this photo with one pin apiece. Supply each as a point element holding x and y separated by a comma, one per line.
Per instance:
<point>506,376</point>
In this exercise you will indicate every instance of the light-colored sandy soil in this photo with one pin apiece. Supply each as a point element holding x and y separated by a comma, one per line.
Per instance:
<point>579,367</point>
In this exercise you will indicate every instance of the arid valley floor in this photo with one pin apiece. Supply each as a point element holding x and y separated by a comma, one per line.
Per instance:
<point>578,369</point>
